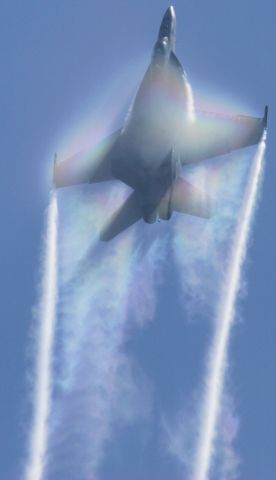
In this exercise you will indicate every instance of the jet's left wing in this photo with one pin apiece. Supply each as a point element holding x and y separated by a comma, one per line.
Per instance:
<point>211,135</point>
<point>87,166</point>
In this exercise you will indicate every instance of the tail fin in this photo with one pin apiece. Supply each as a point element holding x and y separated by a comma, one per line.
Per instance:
<point>129,213</point>
<point>191,200</point>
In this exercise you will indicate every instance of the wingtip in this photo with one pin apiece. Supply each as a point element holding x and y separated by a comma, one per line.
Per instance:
<point>54,185</point>
<point>265,117</point>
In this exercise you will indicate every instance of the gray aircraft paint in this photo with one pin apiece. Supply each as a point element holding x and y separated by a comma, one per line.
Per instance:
<point>157,140</point>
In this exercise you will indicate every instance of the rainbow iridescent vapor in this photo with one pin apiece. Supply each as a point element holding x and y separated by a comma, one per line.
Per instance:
<point>161,135</point>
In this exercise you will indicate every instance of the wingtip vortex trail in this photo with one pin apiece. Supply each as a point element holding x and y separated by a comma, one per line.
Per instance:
<point>217,359</point>
<point>45,340</point>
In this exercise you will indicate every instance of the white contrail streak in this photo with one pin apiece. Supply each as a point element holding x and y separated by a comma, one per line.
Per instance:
<point>43,375</point>
<point>217,362</point>
<point>97,386</point>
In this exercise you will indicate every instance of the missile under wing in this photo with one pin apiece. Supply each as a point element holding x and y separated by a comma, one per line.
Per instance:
<point>159,137</point>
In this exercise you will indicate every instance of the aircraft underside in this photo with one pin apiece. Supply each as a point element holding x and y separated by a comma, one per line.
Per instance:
<point>159,138</point>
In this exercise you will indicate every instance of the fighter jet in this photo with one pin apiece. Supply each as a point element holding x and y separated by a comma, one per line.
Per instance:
<point>161,135</point>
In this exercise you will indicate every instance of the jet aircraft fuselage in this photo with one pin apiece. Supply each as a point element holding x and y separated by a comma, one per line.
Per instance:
<point>145,154</point>
<point>162,133</point>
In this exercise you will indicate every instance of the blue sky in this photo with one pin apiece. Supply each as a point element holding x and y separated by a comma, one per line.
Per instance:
<point>56,56</point>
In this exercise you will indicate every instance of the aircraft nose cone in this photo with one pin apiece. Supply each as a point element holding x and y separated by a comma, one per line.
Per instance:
<point>169,15</point>
<point>171,12</point>
<point>167,27</point>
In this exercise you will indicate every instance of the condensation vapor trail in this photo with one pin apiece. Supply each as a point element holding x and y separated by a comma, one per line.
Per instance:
<point>97,386</point>
<point>217,362</point>
<point>45,340</point>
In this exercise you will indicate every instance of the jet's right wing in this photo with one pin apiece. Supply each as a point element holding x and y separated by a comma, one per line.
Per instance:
<point>87,166</point>
<point>211,135</point>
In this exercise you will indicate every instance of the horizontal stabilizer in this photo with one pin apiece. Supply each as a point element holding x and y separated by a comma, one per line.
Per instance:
<point>191,200</point>
<point>129,213</point>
